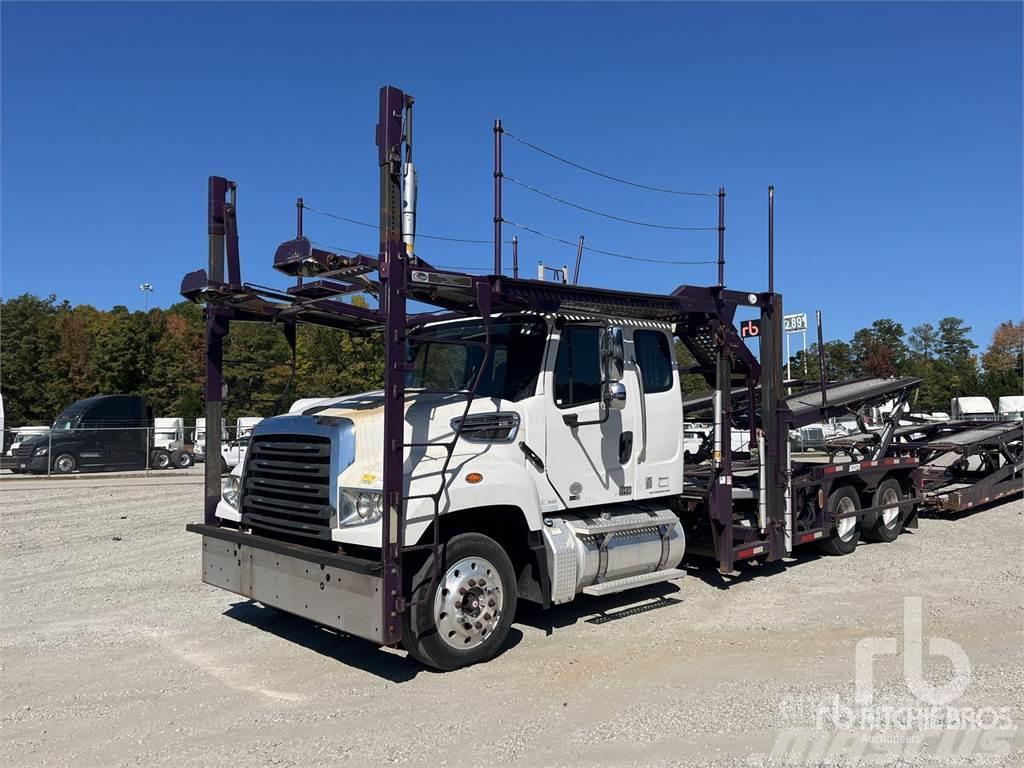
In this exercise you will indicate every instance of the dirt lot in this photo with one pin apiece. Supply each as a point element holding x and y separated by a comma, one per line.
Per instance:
<point>113,653</point>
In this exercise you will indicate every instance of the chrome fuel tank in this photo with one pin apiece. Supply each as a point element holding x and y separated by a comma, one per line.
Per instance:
<point>610,543</point>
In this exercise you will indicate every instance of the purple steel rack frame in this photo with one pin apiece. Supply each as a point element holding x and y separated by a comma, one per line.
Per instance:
<point>702,316</point>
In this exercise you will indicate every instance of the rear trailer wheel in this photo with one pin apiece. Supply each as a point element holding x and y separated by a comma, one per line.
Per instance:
<point>466,618</point>
<point>889,521</point>
<point>846,531</point>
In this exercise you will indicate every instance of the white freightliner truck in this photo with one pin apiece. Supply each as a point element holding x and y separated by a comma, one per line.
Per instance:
<point>529,445</point>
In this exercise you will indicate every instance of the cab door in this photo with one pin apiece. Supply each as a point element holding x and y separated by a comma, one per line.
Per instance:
<point>659,428</point>
<point>591,462</point>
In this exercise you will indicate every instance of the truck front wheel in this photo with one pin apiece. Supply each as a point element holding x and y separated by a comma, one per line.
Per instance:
<point>65,464</point>
<point>466,617</point>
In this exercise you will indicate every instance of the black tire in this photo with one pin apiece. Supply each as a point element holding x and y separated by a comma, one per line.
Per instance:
<point>878,528</point>
<point>182,459</point>
<point>841,500</point>
<point>64,464</point>
<point>489,618</point>
<point>159,459</point>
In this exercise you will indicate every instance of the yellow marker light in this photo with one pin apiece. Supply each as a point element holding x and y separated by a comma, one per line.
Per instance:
<point>474,478</point>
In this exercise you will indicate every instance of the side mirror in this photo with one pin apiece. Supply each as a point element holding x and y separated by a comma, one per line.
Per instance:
<point>615,395</point>
<point>612,354</point>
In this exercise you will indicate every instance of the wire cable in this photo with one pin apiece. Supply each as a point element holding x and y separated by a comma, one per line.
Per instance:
<point>550,196</point>
<point>374,226</point>
<point>598,250</point>
<point>638,185</point>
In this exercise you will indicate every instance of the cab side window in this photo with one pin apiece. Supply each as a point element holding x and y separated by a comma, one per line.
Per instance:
<point>654,358</point>
<point>578,366</point>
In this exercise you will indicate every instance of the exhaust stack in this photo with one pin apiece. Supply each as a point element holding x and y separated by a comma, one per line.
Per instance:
<point>410,185</point>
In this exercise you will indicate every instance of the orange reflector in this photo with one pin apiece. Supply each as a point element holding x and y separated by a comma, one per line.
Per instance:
<point>474,477</point>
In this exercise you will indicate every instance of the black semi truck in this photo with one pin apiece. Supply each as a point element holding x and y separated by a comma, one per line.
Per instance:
<point>101,433</point>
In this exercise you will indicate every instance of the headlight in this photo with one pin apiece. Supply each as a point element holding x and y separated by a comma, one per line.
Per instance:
<point>359,506</point>
<point>229,491</point>
<point>41,451</point>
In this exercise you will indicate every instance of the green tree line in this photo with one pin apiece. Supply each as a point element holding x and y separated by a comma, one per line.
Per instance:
<point>53,353</point>
<point>942,356</point>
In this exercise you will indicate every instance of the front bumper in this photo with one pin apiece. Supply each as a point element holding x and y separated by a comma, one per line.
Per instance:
<point>338,591</point>
<point>31,463</point>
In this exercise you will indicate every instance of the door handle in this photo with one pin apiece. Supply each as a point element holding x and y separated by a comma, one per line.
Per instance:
<point>625,447</point>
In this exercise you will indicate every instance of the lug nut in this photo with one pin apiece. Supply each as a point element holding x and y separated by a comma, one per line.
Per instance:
<point>481,582</point>
<point>490,603</point>
<point>487,617</point>
<point>462,590</point>
<point>479,625</point>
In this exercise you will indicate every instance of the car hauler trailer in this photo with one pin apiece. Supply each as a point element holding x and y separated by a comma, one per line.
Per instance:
<point>527,442</point>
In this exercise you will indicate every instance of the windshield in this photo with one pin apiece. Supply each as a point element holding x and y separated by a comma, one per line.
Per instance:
<point>517,349</point>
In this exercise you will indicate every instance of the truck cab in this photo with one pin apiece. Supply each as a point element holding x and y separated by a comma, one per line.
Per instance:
<point>972,408</point>
<point>105,432</point>
<point>542,432</point>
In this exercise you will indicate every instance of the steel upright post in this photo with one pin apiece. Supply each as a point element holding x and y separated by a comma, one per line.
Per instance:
<point>393,277</point>
<point>579,260</point>
<point>721,236</point>
<point>216,330</point>
<point>771,240</point>
<point>515,256</point>
<point>822,373</point>
<point>497,196</point>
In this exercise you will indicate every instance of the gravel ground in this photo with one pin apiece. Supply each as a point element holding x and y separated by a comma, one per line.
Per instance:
<point>113,653</point>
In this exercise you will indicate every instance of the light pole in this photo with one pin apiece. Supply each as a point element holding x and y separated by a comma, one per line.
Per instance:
<point>146,288</point>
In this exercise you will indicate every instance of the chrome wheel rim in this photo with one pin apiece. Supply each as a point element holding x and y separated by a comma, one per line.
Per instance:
<point>65,463</point>
<point>845,526</point>
<point>468,603</point>
<point>890,513</point>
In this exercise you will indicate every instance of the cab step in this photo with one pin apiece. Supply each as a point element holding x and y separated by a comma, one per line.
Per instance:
<point>631,582</point>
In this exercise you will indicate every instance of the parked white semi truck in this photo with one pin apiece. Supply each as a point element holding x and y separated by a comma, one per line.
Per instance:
<point>169,433</point>
<point>199,437</point>
<point>529,444</point>
<point>244,425</point>
<point>1011,407</point>
<point>971,408</point>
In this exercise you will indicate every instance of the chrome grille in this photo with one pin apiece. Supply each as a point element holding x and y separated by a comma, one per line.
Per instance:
<point>286,486</point>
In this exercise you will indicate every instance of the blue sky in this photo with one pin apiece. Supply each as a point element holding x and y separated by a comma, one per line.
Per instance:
<point>891,132</point>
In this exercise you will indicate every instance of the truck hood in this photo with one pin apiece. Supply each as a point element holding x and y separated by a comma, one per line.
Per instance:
<point>428,418</point>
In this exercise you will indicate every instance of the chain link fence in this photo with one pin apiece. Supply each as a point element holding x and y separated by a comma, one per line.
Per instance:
<point>40,450</point>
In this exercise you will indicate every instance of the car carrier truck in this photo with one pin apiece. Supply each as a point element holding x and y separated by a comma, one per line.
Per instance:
<point>528,441</point>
